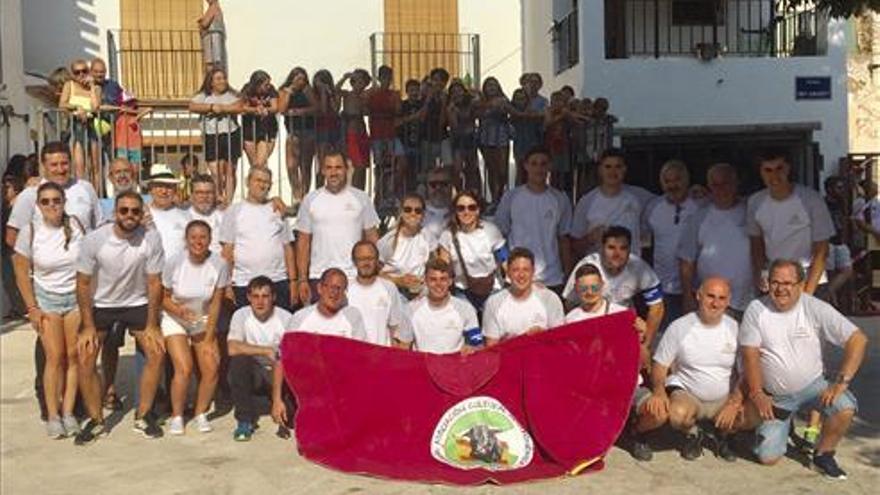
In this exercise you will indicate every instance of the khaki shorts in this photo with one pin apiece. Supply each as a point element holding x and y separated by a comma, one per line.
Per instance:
<point>705,410</point>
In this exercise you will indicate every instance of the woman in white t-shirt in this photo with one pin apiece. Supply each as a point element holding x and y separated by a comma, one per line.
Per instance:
<point>194,283</point>
<point>45,270</point>
<point>476,249</point>
<point>218,103</point>
<point>405,249</point>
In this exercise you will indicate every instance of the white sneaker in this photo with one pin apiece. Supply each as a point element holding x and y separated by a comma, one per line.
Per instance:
<point>202,423</point>
<point>175,426</point>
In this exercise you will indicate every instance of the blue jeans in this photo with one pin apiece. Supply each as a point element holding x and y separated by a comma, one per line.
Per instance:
<point>772,435</point>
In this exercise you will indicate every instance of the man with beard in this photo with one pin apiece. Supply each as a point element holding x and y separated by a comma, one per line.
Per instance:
<point>119,279</point>
<point>375,298</point>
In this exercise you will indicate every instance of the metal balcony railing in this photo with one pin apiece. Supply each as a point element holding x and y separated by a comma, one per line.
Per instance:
<point>157,64</point>
<point>566,41</point>
<point>710,28</point>
<point>413,55</point>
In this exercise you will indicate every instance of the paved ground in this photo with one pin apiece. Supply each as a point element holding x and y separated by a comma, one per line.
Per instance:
<point>124,462</point>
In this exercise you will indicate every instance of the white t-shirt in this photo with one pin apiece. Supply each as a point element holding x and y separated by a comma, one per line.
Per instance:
<point>436,220</point>
<point>379,305</point>
<point>607,308</point>
<point>507,316</point>
<point>53,265</point>
<point>336,222</point>
<point>410,254</point>
<point>704,356</point>
<point>719,244</point>
<point>666,221</point>
<point>595,208</point>
<point>258,235</point>
<point>636,279</point>
<point>536,221</point>
<point>347,322</point>
<point>440,330</point>
<point>478,250</point>
<point>81,202</point>
<point>171,224</point>
<point>213,219</point>
<point>119,267</point>
<point>193,285</point>
<point>790,342</point>
<point>869,209</point>
<point>791,226</point>
<point>217,124</point>
<point>245,327</point>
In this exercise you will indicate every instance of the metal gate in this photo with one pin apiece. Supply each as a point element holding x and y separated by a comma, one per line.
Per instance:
<point>413,55</point>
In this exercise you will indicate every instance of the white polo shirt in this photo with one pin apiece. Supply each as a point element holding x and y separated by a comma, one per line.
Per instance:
<point>258,235</point>
<point>536,221</point>
<point>791,341</point>
<point>666,221</point>
<point>347,322</point>
<point>704,356</point>
<point>336,222</point>
<point>508,316</point>
<point>717,241</point>
<point>436,220</point>
<point>440,330</point>
<point>636,279</point>
<point>119,267</point>
<point>380,307</point>
<point>790,227</point>
<point>53,266</point>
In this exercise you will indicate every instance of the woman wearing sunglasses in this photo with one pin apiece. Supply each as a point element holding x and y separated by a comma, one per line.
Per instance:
<point>405,249</point>
<point>194,281</point>
<point>475,247</point>
<point>48,248</point>
<point>82,98</point>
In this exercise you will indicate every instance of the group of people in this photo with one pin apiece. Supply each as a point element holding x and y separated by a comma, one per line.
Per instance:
<point>215,287</point>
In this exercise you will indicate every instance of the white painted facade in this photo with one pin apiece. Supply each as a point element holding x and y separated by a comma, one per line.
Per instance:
<point>13,99</point>
<point>682,91</point>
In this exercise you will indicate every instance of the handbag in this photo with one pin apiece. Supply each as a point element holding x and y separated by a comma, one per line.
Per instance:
<point>478,286</point>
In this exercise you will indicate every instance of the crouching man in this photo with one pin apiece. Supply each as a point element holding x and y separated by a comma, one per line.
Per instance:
<point>781,343</point>
<point>701,349</point>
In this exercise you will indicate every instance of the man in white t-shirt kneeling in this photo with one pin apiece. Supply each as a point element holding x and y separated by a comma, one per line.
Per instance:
<point>523,308</point>
<point>440,323</point>
<point>781,343</point>
<point>693,376</point>
<point>254,336</point>
<point>331,314</point>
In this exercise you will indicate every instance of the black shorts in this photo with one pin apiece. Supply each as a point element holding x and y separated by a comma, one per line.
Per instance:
<point>223,146</point>
<point>257,129</point>
<point>132,318</point>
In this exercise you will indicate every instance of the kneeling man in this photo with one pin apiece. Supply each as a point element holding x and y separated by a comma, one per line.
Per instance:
<point>440,323</point>
<point>701,349</point>
<point>781,341</point>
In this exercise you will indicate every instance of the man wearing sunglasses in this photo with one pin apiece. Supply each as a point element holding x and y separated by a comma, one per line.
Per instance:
<point>439,201</point>
<point>82,201</point>
<point>665,219</point>
<point>781,343</point>
<point>119,280</point>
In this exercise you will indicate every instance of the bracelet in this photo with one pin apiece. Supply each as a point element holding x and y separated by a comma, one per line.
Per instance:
<point>31,308</point>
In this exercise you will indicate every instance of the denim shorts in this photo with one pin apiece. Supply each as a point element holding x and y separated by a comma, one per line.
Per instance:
<point>772,436</point>
<point>53,302</point>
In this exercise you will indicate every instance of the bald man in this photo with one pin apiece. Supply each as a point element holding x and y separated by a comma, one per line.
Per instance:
<point>700,348</point>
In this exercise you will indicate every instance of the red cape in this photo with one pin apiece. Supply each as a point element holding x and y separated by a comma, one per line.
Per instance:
<point>376,410</point>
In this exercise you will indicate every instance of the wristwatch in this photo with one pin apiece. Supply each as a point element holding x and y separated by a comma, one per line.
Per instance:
<point>842,379</point>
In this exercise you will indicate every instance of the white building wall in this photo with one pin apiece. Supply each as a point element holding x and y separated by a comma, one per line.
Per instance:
<point>683,91</point>
<point>14,137</point>
<point>498,24</point>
